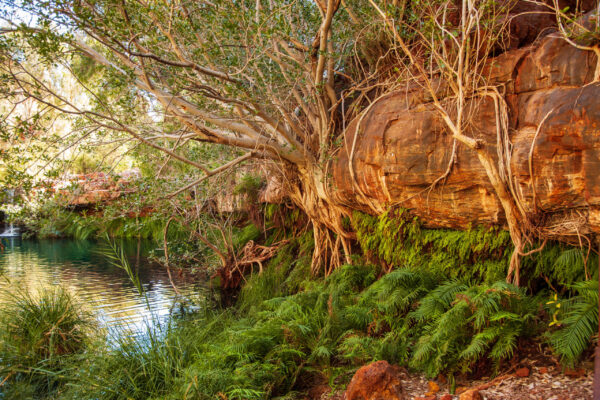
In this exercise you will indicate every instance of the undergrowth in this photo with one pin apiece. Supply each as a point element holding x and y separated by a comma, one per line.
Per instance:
<point>434,301</point>
<point>290,331</point>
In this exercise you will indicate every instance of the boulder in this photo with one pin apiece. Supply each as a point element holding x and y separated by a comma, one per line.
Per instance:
<point>376,381</point>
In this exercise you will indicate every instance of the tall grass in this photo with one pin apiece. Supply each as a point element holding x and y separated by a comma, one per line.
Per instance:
<point>147,366</point>
<point>39,332</point>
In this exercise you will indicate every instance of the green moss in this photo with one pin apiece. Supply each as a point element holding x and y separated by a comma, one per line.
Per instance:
<point>245,234</point>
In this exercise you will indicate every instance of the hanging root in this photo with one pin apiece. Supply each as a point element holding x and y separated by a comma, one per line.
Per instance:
<point>326,255</point>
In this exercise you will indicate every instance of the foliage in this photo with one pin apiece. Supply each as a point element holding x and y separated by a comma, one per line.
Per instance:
<point>461,324</point>
<point>277,335</point>
<point>144,367</point>
<point>563,265</point>
<point>250,185</point>
<point>398,240</point>
<point>288,271</point>
<point>578,321</point>
<point>478,255</point>
<point>289,328</point>
<point>41,333</point>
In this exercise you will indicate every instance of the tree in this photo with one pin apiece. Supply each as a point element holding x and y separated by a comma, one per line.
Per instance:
<point>278,80</point>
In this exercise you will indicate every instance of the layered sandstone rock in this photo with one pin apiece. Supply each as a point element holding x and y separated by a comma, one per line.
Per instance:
<point>403,146</point>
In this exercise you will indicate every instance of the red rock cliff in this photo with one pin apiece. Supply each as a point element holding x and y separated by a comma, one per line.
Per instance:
<point>403,146</point>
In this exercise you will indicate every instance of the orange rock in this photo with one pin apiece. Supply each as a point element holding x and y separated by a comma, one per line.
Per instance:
<point>433,388</point>
<point>522,372</point>
<point>378,380</point>
<point>402,145</point>
<point>471,394</point>
<point>446,397</point>
<point>574,373</point>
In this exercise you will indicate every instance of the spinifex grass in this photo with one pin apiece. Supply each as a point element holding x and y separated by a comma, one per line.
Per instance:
<point>38,333</point>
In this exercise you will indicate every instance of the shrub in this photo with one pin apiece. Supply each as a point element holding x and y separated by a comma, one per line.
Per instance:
<point>463,324</point>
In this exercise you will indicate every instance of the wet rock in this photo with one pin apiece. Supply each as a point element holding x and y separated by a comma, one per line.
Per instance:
<point>376,381</point>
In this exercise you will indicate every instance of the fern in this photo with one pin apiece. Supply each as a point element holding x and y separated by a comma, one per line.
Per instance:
<point>463,324</point>
<point>579,323</point>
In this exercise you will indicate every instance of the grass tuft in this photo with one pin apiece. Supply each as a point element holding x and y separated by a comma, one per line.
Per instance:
<point>39,332</point>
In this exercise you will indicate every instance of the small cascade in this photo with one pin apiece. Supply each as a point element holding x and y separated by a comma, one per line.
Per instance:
<point>11,231</point>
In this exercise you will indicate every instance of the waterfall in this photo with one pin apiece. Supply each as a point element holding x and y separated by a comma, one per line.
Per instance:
<point>12,230</point>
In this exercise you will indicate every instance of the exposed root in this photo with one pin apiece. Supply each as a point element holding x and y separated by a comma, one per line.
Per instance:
<point>237,266</point>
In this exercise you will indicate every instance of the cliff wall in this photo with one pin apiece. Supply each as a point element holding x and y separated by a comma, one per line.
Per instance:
<point>403,146</point>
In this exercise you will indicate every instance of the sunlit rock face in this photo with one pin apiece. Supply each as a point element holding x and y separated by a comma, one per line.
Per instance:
<point>97,187</point>
<point>403,146</point>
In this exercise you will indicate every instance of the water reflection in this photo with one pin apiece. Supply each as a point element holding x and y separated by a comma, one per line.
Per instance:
<point>79,266</point>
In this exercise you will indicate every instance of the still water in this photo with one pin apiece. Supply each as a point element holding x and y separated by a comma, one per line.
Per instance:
<point>80,267</point>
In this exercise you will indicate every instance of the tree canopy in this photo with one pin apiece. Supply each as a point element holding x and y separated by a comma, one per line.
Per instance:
<point>277,80</point>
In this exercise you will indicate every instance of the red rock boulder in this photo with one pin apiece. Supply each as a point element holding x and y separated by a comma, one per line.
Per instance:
<point>376,381</point>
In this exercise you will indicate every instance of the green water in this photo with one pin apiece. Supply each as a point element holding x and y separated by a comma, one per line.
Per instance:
<point>79,266</point>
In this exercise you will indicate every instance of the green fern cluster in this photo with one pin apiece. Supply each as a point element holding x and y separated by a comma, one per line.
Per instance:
<point>397,239</point>
<point>563,265</point>
<point>462,324</point>
<point>578,322</point>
